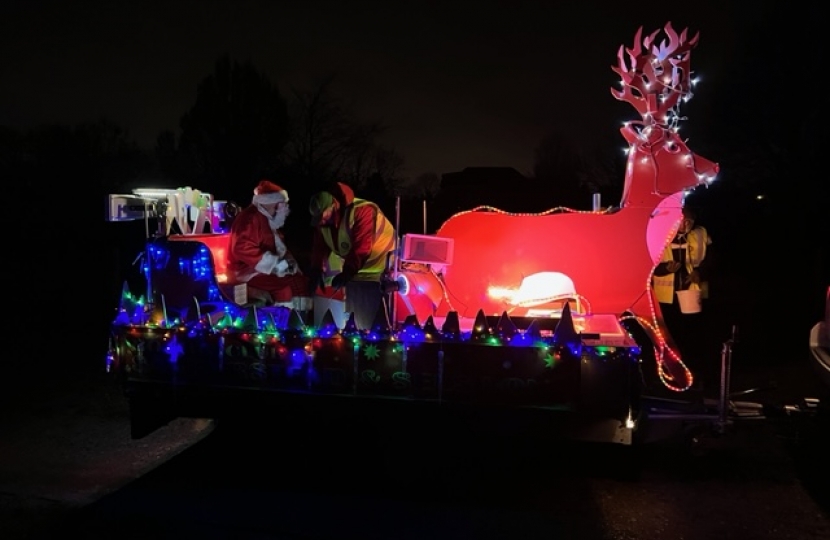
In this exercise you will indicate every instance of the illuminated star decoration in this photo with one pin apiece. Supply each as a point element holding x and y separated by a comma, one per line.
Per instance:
<point>371,351</point>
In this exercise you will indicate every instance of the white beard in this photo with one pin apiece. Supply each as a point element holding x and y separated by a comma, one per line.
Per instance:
<point>278,220</point>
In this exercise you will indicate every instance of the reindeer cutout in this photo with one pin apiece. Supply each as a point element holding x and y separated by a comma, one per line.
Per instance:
<point>521,263</point>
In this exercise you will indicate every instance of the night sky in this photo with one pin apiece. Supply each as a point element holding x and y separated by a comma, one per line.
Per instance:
<point>458,84</point>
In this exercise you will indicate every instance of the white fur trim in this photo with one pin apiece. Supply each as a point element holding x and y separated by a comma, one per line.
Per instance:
<point>271,198</point>
<point>267,264</point>
<point>282,249</point>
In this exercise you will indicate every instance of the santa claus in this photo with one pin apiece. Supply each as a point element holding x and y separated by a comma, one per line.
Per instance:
<point>257,254</point>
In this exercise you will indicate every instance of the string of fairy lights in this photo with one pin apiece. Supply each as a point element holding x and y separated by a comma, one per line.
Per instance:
<point>662,351</point>
<point>657,132</point>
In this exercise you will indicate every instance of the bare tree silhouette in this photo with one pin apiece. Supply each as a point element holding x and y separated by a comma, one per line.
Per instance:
<point>329,143</point>
<point>235,132</point>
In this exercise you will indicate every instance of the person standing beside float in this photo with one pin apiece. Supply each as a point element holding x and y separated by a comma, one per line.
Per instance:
<point>681,286</point>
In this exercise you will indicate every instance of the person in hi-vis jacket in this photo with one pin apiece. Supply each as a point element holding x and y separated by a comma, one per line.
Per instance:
<point>683,266</point>
<point>350,251</point>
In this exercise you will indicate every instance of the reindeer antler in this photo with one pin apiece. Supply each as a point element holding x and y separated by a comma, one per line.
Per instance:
<point>657,75</point>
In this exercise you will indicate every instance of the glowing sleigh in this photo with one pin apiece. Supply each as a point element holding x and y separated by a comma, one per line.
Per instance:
<point>491,261</point>
<point>514,313</point>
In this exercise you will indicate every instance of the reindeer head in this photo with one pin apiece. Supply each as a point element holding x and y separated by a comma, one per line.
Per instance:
<point>656,80</point>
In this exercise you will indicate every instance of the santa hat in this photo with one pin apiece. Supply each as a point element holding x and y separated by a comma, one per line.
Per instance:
<point>267,192</point>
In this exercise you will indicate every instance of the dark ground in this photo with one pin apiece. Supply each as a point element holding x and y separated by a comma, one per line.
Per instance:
<point>68,467</point>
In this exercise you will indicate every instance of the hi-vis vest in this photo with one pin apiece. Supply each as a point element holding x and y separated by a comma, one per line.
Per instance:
<point>383,244</point>
<point>695,247</point>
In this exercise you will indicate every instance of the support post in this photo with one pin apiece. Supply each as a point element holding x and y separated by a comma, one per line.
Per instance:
<point>725,383</point>
<point>597,201</point>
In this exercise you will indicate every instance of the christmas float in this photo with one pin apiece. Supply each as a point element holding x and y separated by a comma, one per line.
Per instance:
<point>532,320</point>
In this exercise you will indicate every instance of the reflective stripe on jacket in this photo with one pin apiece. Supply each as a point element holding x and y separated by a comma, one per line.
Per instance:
<point>383,243</point>
<point>695,248</point>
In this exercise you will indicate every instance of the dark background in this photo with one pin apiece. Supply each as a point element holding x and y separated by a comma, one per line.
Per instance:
<point>99,98</point>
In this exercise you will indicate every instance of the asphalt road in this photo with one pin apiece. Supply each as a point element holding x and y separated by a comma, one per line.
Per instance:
<point>65,443</point>
<point>68,468</point>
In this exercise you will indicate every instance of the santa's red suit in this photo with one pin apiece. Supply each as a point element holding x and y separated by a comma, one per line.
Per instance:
<point>257,254</point>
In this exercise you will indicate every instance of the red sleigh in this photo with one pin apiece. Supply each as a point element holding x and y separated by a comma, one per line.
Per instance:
<point>530,307</point>
<point>528,265</point>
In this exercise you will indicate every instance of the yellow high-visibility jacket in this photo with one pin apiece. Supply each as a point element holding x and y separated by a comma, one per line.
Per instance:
<point>370,248</point>
<point>694,246</point>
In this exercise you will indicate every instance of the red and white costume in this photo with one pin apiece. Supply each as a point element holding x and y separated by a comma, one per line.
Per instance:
<point>257,254</point>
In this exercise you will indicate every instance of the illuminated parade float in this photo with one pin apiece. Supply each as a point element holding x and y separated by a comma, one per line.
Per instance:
<point>504,313</point>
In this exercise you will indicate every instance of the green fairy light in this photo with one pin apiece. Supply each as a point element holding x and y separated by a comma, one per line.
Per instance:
<point>269,327</point>
<point>225,321</point>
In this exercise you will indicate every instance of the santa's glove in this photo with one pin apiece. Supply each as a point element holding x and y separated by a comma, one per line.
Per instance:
<point>281,267</point>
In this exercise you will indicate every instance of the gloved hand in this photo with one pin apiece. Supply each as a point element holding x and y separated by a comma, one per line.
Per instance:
<point>694,277</point>
<point>315,280</point>
<point>339,281</point>
<point>281,268</point>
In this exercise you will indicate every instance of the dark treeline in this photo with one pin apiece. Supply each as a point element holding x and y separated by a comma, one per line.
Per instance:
<point>242,128</point>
